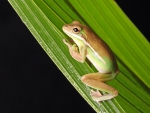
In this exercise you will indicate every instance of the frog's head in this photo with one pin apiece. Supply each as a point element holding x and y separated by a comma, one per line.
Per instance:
<point>75,30</point>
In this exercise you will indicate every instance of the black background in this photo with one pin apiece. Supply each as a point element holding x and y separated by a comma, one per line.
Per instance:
<point>29,80</point>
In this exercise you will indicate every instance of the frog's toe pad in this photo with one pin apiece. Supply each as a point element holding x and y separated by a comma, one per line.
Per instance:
<point>64,40</point>
<point>95,94</point>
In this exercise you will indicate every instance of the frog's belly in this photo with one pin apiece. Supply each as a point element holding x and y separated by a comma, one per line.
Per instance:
<point>103,65</point>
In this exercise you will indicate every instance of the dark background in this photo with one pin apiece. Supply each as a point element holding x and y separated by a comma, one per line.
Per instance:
<point>29,80</point>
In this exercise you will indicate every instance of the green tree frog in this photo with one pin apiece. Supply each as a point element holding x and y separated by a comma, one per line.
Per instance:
<point>88,44</point>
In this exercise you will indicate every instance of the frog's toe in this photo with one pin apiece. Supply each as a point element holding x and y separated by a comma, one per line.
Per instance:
<point>64,40</point>
<point>95,94</point>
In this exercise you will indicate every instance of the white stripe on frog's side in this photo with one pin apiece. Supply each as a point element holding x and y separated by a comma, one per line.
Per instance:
<point>96,54</point>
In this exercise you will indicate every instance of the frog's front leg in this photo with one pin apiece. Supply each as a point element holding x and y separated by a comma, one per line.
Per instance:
<point>96,81</point>
<point>79,55</point>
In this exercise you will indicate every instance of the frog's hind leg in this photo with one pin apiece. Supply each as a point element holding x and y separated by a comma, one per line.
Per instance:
<point>97,81</point>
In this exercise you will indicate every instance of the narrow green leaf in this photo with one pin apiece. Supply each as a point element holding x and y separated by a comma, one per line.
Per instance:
<point>45,18</point>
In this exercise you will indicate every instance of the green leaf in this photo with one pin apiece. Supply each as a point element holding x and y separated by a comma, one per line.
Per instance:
<point>45,18</point>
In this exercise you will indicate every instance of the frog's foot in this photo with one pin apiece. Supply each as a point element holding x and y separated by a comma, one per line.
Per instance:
<point>95,94</point>
<point>66,43</point>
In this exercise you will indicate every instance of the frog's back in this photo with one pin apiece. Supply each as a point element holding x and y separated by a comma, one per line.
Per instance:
<point>106,57</point>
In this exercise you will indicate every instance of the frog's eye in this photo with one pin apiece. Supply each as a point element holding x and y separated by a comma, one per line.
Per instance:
<point>75,29</point>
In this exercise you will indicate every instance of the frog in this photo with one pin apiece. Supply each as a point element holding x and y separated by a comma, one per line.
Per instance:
<point>88,45</point>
